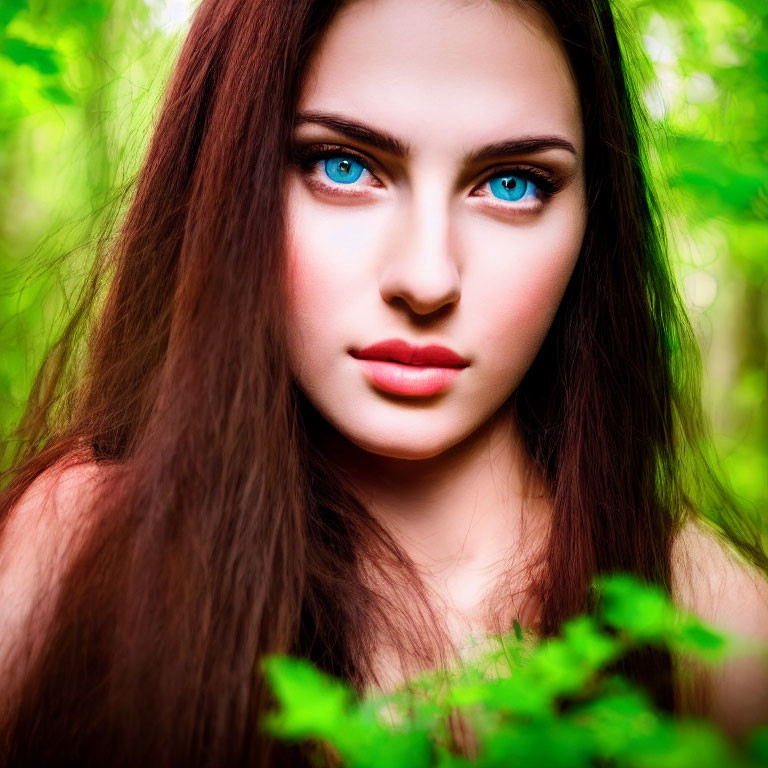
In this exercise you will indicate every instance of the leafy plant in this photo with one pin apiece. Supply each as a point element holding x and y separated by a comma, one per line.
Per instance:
<point>530,702</point>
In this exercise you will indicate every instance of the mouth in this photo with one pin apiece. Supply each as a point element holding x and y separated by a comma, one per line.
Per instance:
<point>399,368</point>
<point>400,351</point>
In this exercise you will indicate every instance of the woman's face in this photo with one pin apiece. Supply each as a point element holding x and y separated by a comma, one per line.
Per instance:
<point>438,200</point>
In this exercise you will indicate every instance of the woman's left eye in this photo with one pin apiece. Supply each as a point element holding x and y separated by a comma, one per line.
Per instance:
<point>512,187</point>
<point>333,171</point>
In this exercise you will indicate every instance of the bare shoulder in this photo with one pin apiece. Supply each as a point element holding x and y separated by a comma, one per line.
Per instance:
<point>42,526</point>
<point>37,541</point>
<point>712,581</point>
<point>51,508</point>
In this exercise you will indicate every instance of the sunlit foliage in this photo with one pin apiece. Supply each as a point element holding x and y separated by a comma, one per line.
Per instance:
<point>706,88</point>
<point>550,703</point>
<point>78,85</point>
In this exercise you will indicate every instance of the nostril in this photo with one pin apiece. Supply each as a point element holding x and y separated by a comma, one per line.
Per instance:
<point>423,313</point>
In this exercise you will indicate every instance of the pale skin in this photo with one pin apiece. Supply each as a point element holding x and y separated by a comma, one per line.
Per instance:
<point>420,249</point>
<point>425,252</point>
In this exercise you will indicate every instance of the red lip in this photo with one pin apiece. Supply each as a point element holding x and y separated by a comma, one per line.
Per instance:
<point>400,351</point>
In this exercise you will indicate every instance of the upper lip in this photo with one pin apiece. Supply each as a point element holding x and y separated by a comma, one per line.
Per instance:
<point>400,351</point>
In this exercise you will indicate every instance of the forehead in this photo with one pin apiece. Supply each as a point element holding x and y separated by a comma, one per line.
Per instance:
<point>444,74</point>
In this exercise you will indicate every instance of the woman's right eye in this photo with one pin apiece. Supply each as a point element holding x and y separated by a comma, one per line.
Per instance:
<point>343,170</point>
<point>336,172</point>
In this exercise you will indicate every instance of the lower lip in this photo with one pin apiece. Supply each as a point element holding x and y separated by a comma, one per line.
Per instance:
<point>410,380</point>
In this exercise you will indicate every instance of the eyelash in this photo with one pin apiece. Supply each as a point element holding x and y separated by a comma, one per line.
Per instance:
<point>547,184</point>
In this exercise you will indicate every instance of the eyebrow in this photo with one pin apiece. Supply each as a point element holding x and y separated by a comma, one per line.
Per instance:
<point>394,146</point>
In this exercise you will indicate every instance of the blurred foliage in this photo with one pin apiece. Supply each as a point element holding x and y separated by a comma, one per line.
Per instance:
<point>552,703</point>
<point>706,89</point>
<point>80,80</point>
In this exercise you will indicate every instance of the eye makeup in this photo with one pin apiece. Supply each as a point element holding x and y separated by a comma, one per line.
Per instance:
<point>307,158</point>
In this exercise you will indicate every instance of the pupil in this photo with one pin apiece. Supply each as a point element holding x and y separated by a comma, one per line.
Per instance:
<point>344,166</point>
<point>509,183</point>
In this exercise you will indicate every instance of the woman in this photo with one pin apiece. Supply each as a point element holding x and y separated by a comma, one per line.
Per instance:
<point>389,352</point>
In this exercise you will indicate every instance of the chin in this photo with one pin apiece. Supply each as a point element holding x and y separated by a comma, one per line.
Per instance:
<point>399,444</point>
<point>404,452</point>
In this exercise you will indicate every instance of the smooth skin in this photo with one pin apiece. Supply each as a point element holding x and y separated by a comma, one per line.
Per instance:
<point>423,252</point>
<point>422,248</point>
<point>408,238</point>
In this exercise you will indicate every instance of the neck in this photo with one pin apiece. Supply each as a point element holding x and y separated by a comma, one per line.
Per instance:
<point>460,515</point>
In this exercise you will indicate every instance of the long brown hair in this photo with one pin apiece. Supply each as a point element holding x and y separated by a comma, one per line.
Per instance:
<point>222,533</point>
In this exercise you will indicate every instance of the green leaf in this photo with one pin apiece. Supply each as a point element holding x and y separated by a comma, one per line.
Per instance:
<point>518,695</point>
<point>9,9</point>
<point>726,178</point>
<point>316,706</point>
<point>705,642</point>
<point>643,611</point>
<point>313,704</point>
<point>23,53</point>
<point>56,95</point>
<point>559,744</point>
<point>757,744</point>
<point>593,647</point>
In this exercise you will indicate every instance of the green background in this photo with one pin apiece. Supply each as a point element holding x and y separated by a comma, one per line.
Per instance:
<point>80,81</point>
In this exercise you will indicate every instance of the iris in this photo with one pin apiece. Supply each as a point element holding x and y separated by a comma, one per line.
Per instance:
<point>512,187</point>
<point>343,170</point>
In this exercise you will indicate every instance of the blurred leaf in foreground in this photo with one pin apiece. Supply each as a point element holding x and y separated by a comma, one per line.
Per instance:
<point>542,703</point>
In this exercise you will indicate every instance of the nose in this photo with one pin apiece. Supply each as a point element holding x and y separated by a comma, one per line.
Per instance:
<point>421,268</point>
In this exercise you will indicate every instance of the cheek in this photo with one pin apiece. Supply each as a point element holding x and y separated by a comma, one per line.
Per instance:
<point>516,300</point>
<point>309,302</point>
<point>330,247</point>
<point>310,287</point>
<point>330,262</point>
<point>330,255</point>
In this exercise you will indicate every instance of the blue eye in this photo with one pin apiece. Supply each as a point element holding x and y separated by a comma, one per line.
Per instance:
<point>512,188</point>
<point>328,169</point>
<point>344,170</point>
